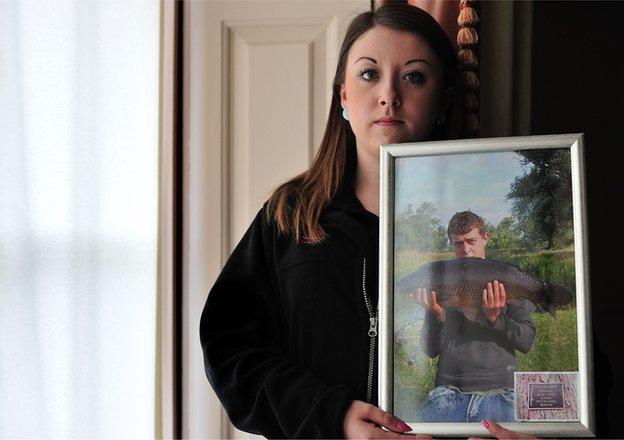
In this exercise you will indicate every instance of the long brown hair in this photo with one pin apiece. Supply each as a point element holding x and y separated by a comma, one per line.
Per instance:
<point>296,206</point>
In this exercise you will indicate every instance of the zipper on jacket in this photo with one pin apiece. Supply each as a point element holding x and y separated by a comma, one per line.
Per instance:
<point>372,334</point>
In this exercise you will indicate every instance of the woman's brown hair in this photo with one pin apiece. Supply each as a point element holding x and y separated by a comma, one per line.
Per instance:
<point>296,206</point>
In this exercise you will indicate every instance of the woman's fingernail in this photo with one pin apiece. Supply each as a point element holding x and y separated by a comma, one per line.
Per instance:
<point>403,426</point>
<point>486,423</point>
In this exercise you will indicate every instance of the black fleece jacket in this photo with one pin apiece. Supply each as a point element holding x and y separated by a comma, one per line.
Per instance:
<point>285,328</point>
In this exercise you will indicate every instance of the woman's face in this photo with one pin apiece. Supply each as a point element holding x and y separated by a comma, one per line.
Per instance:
<point>392,88</point>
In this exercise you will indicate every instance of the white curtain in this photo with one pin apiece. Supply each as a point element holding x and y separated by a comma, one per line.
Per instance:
<point>78,218</point>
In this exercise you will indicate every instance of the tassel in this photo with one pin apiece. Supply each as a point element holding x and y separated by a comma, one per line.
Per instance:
<point>467,17</point>
<point>467,58</point>
<point>467,36</point>
<point>471,123</point>
<point>471,101</point>
<point>471,79</point>
<point>468,41</point>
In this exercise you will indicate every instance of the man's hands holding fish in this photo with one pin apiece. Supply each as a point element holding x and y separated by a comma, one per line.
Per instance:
<point>494,301</point>
<point>429,303</point>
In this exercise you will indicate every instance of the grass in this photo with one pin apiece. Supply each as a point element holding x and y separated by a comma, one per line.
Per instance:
<point>555,349</point>
<point>556,344</point>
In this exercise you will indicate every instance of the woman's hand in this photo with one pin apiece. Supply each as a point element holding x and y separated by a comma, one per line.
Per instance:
<point>501,433</point>
<point>364,421</point>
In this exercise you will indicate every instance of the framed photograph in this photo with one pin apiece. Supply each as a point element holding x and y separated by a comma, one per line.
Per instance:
<point>484,286</point>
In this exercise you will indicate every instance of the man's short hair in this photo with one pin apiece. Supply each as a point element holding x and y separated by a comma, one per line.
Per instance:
<point>464,222</point>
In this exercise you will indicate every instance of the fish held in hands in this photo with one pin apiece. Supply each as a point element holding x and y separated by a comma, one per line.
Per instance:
<point>460,282</point>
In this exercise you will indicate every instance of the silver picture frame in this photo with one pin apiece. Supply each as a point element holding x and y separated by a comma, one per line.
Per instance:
<point>390,156</point>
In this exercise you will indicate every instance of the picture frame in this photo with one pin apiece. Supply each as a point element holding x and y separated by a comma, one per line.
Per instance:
<point>510,183</point>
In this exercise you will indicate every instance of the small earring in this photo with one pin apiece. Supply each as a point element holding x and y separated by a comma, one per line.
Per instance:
<point>345,113</point>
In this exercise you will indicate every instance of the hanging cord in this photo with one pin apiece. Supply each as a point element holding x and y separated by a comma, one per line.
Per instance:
<point>468,42</point>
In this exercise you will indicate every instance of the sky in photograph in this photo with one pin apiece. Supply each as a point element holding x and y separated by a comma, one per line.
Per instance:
<point>478,182</point>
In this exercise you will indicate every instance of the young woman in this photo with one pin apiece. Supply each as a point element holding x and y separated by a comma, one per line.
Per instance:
<point>289,329</point>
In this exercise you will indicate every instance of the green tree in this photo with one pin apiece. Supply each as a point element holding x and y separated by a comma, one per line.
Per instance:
<point>419,229</point>
<point>504,235</point>
<point>441,241</point>
<point>542,198</point>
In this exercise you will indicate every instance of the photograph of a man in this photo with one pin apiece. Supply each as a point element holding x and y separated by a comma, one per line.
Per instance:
<point>476,347</point>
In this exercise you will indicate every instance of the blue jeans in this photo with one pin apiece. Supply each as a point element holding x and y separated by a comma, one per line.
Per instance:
<point>449,404</point>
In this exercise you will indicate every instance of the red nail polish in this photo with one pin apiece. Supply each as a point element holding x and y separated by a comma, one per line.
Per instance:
<point>486,423</point>
<point>403,426</point>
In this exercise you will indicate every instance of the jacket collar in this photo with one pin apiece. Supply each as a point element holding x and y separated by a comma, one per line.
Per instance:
<point>341,215</point>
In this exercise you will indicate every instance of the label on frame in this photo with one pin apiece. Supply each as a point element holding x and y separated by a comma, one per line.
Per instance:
<point>546,396</point>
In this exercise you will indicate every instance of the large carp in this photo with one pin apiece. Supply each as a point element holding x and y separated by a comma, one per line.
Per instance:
<point>460,283</point>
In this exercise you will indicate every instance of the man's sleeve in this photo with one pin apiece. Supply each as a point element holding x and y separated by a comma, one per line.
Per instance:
<point>241,332</point>
<point>431,335</point>
<point>516,324</point>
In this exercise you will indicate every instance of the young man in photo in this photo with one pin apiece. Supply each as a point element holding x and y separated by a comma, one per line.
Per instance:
<point>475,347</point>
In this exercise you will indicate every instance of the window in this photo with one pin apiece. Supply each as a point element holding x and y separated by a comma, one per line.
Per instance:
<point>78,218</point>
